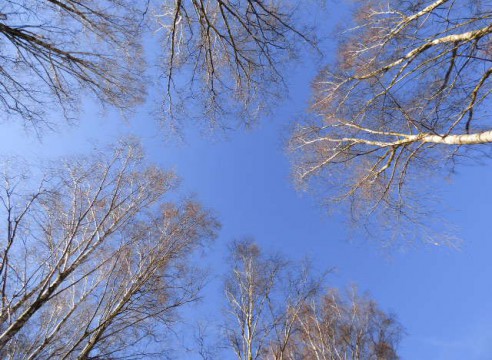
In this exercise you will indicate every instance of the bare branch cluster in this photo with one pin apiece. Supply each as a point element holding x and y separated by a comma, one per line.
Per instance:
<point>408,91</point>
<point>263,294</point>
<point>221,56</point>
<point>278,310</point>
<point>52,51</point>
<point>93,263</point>
<point>335,328</point>
<point>232,53</point>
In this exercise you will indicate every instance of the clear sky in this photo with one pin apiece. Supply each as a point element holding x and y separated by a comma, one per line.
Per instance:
<point>440,295</point>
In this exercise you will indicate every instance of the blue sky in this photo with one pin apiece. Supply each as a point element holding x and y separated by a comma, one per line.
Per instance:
<point>440,295</point>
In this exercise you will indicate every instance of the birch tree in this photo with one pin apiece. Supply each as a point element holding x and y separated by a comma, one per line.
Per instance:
<point>264,294</point>
<point>333,327</point>
<point>94,260</point>
<point>406,97</point>
<point>279,310</point>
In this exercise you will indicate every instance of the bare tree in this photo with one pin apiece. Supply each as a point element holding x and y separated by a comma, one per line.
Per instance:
<point>232,53</point>
<point>331,328</point>
<point>406,95</point>
<point>51,50</point>
<point>264,295</point>
<point>280,311</point>
<point>94,261</point>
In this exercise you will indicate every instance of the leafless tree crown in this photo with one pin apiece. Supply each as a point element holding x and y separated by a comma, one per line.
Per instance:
<point>280,311</point>
<point>52,51</point>
<point>335,328</point>
<point>232,53</point>
<point>94,261</point>
<point>407,92</point>
<point>263,295</point>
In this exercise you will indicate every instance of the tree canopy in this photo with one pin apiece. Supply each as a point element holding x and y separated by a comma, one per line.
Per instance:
<point>219,57</point>
<point>406,96</point>
<point>53,50</point>
<point>278,309</point>
<point>96,259</point>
